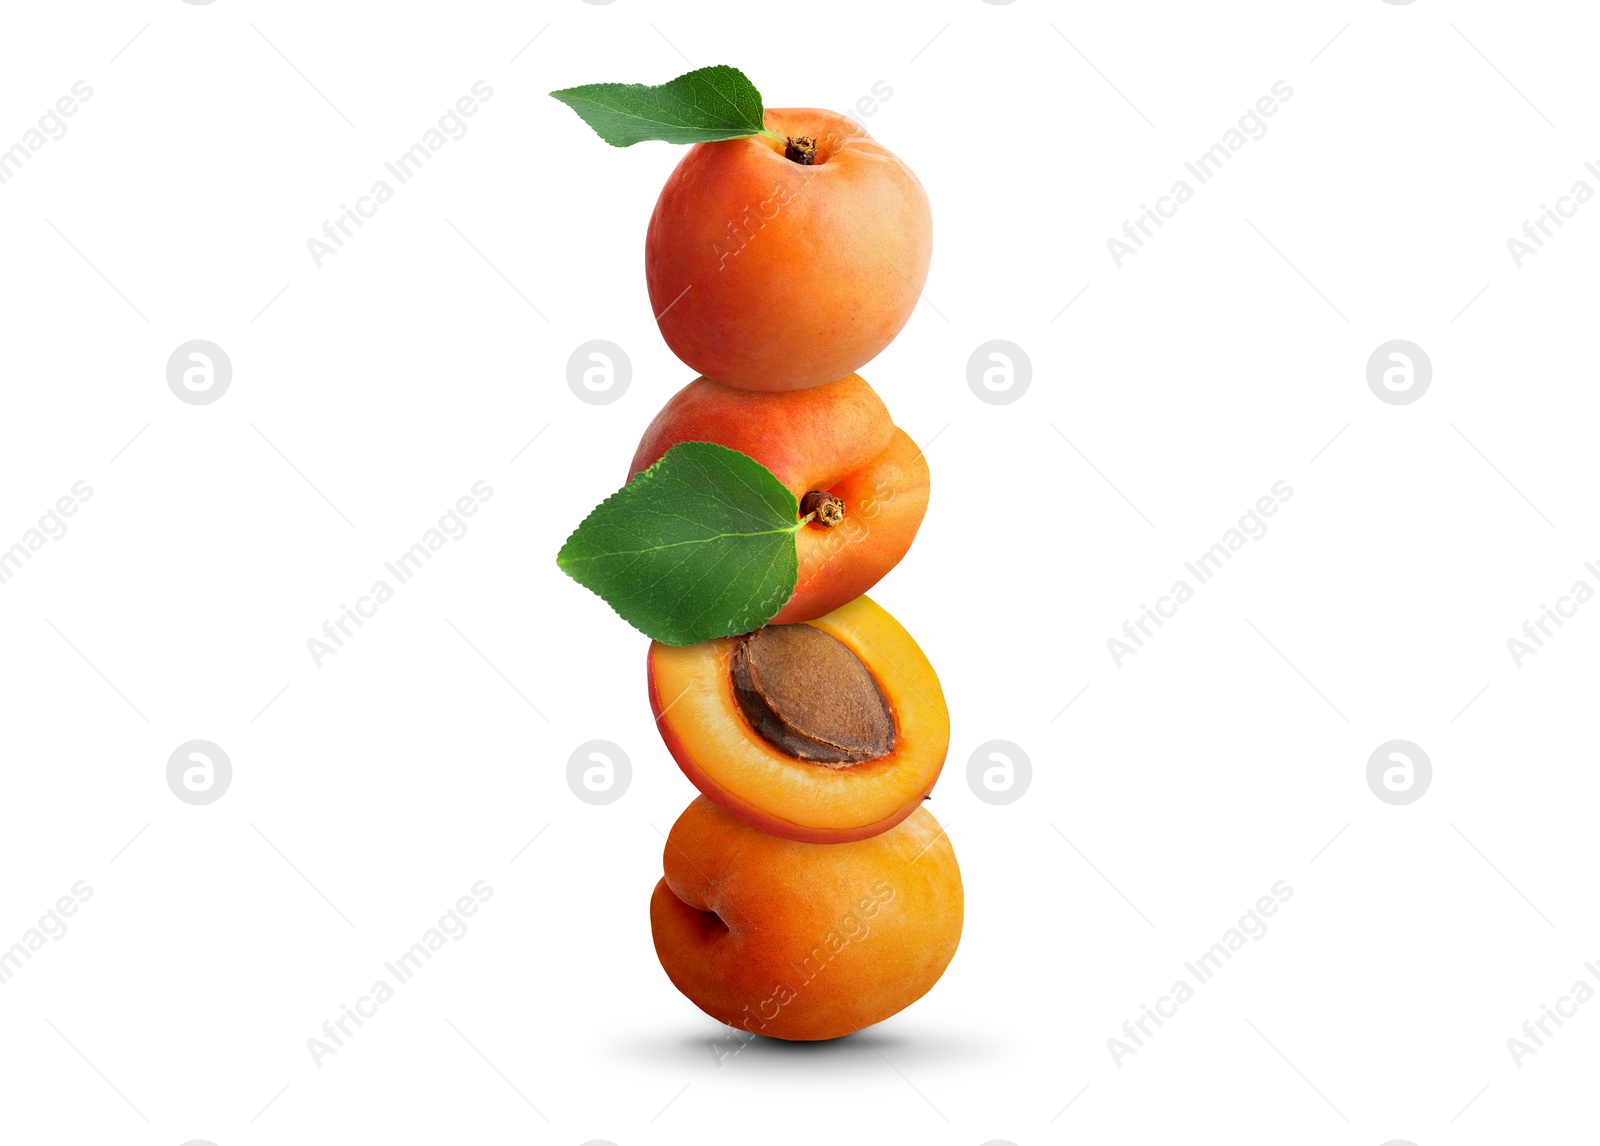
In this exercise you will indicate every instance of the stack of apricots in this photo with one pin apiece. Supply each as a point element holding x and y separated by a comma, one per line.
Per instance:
<point>807,892</point>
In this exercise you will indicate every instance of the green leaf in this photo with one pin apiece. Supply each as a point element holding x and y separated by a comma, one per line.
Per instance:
<point>700,545</point>
<point>708,103</point>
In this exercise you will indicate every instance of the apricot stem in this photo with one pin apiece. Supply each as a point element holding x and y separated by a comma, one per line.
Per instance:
<point>825,508</point>
<point>801,149</point>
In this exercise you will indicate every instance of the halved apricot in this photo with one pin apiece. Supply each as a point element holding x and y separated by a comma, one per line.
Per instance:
<point>775,784</point>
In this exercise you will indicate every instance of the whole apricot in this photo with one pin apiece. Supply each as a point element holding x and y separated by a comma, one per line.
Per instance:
<point>834,439</point>
<point>804,941</point>
<point>769,273</point>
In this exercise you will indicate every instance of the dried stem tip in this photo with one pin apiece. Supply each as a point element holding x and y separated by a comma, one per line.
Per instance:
<point>801,149</point>
<point>823,508</point>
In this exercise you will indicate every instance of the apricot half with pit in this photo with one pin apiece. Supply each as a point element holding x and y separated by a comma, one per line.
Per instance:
<point>825,731</point>
<point>804,941</point>
<point>834,441</point>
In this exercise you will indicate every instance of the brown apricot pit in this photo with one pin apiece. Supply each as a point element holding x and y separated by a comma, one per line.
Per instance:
<point>807,694</point>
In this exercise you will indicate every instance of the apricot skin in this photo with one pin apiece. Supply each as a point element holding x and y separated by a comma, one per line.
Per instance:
<point>768,275</point>
<point>836,438</point>
<point>698,716</point>
<point>804,941</point>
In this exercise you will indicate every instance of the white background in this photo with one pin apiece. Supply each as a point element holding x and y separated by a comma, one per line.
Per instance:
<point>369,394</point>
